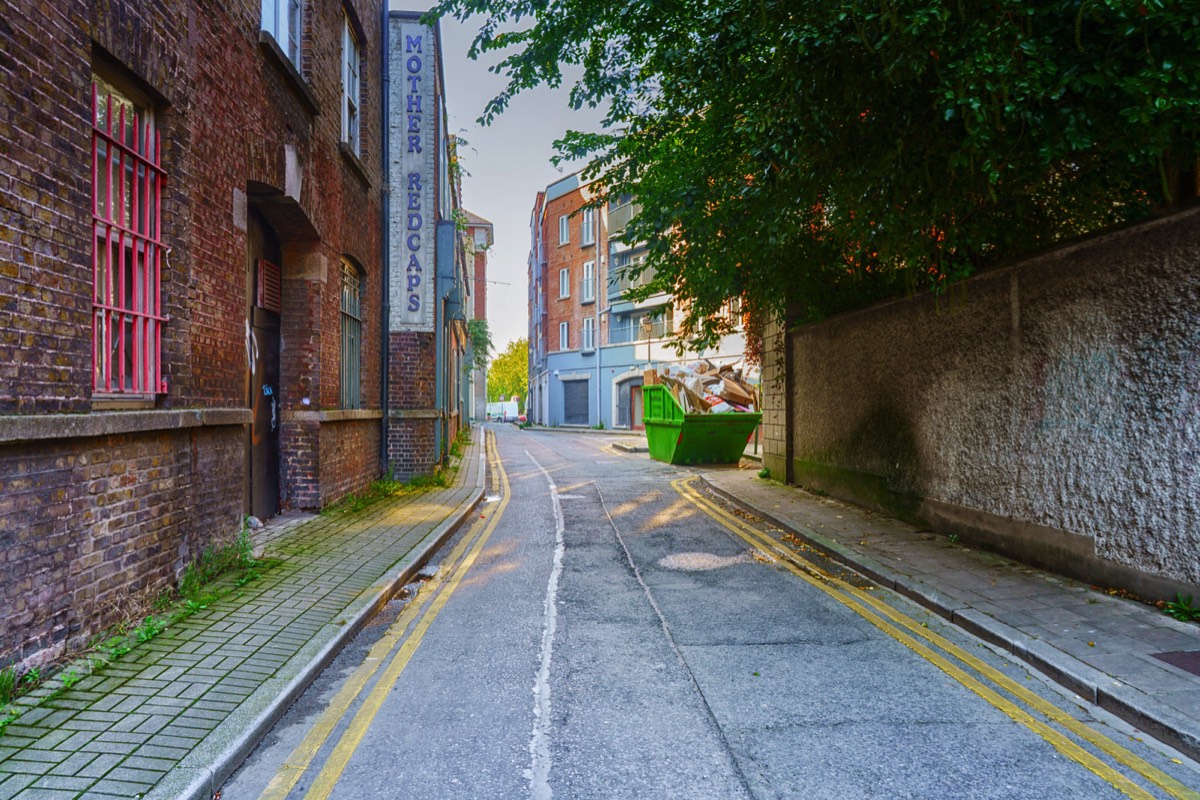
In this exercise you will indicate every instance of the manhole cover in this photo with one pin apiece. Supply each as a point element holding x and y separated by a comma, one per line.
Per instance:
<point>1186,660</point>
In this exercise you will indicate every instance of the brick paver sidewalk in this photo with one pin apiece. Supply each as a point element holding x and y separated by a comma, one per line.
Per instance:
<point>177,714</point>
<point>1105,649</point>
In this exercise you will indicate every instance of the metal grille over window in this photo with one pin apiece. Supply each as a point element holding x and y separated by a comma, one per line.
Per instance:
<point>351,396</point>
<point>127,182</point>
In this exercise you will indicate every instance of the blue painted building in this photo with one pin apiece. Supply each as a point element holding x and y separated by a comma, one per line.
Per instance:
<point>589,346</point>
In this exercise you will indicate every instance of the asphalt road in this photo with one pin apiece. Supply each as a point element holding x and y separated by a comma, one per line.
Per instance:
<point>605,630</point>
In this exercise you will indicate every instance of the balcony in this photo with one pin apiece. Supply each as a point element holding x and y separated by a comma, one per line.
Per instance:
<point>635,331</point>
<point>619,282</point>
<point>620,216</point>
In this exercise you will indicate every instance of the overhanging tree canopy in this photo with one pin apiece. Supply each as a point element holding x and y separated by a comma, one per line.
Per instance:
<point>813,155</point>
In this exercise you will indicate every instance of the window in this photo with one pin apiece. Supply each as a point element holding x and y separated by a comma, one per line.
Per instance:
<point>127,183</point>
<point>351,394</point>
<point>587,233</point>
<point>588,290</point>
<point>564,341</point>
<point>589,333</point>
<point>564,283</point>
<point>350,88</point>
<point>564,230</point>
<point>282,19</point>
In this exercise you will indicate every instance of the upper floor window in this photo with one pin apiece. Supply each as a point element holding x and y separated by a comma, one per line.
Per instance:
<point>588,290</point>
<point>564,340</point>
<point>127,249</point>
<point>564,230</point>
<point>564,283</point>
<point>587,233</point>
<point>283,19</point>
<point>589,333</point>
<point>351,392</point>
<point>351,101</point>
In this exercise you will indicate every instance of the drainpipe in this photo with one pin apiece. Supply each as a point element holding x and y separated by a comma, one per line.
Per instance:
<point>385,194</point>
<point>601,263</point>
<point>443,283</point>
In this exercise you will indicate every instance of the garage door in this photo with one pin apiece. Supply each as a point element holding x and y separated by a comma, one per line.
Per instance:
<point>575,402</point>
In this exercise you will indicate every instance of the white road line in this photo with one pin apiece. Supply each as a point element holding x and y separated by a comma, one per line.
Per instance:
<point>539,744</point>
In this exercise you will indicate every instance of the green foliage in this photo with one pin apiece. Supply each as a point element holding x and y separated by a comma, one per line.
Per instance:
<point>764,473</point>
<point>509,373</point>
<point>217,560</point>
<point>481,344</point>
<point>811,156</point>
<point>461,441</point>
<point>388,488</point>
<point>1181,608</point>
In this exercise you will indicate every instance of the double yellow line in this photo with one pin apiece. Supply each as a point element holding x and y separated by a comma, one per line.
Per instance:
<point>427,604</point>
<point>908,632</point>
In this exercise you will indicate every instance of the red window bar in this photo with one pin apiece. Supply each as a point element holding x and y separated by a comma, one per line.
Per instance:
<point>127,315</point>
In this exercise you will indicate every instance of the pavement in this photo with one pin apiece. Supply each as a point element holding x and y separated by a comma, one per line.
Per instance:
<point>1111,651</point>
<point>175,717</point>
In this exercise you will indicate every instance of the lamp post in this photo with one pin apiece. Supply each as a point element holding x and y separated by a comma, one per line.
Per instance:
<point>647,329</point>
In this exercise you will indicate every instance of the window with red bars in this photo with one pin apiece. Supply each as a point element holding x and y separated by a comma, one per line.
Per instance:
<point>127,184</point>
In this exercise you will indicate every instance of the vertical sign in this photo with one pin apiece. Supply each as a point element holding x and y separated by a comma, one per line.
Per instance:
<point>411,132</point>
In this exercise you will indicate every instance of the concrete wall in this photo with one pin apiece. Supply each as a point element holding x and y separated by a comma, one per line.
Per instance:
<point>1049,410</point>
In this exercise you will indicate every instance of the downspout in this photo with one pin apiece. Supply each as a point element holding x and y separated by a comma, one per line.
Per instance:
<point>601,263</point>
<point>385,195</point>
<point>439,361</point>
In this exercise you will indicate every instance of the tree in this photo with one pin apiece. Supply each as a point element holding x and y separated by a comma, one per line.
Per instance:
<point>813,155</point>
<point>509,373</point>
<point>481,343</point>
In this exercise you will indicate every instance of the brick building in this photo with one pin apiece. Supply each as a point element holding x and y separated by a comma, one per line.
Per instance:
<point>588,343</point>
<point>428,275</point>
<point>479,239</point>
<point>191,284</point>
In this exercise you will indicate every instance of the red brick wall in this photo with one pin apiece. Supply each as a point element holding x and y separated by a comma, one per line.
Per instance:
<point>349,457</point>
<point>571,256</point>
<point>412,444</point>
<point>88,524</point>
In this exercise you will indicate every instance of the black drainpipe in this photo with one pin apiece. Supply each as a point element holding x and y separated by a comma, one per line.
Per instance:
<point>385,194</point>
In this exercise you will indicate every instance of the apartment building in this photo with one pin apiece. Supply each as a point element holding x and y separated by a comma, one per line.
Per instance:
<point>589,343</point>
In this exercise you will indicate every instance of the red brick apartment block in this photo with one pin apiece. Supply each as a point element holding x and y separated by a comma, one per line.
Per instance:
<point>190,288</point>
<point>573,240</point>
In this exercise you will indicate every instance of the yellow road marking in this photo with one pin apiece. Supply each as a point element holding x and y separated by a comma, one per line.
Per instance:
<point>302,756</point>
<point>821,579</point>
<point>335,765</point>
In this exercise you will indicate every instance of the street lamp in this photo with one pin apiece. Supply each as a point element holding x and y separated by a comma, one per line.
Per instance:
<point>647,330</point>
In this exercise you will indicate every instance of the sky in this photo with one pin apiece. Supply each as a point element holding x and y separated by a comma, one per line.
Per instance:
<point>508,162</point>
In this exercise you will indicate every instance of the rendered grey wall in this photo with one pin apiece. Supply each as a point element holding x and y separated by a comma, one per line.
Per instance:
<point>1050,409</point>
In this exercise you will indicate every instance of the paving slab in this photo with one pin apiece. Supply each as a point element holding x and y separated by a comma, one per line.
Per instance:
<point>176,715</point>
<point>1100,646</point>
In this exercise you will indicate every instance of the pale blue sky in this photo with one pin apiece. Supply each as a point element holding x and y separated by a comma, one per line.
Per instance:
<point>508,162</point>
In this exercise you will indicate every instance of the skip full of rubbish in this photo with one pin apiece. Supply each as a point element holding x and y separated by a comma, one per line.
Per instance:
<point>702,387</point>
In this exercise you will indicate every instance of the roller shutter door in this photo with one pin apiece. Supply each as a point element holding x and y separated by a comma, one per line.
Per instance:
<point>575,402</point>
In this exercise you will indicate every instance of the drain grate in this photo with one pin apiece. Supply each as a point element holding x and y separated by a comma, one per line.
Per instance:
<point>1187,660</point>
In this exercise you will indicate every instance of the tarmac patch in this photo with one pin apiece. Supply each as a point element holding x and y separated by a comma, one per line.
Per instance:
<point>1186,660</point>
<point>701,562</point>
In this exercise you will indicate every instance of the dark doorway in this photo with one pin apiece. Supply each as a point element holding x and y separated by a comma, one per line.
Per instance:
<point>575,402</point>
<point>262,353</point>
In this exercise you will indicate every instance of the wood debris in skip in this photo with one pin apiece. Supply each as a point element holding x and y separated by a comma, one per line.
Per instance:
<point>704,388</point>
